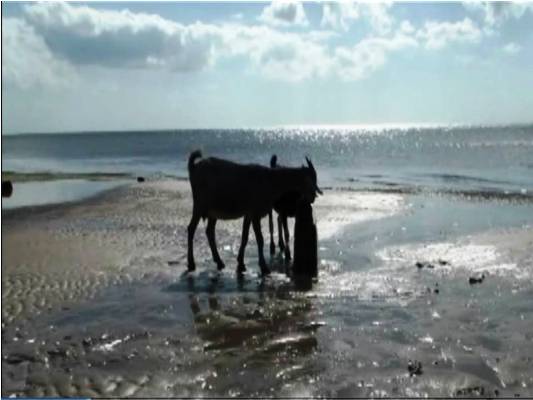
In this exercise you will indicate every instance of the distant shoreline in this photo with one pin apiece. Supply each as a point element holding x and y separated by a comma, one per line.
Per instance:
<point>79,188</point>
<point>42,176</point>
<point>52,176</point>
<point>289,127</point>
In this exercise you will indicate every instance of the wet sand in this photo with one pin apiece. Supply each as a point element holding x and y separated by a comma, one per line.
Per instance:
<point>57,253</point>
<point>95,302</point>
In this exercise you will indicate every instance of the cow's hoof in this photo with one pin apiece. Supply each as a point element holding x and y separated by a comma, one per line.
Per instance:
<point>191,267</point>
<point>265,271</point>
<point>220,266</point>
<point>272,249</point>
<point>241,268</point>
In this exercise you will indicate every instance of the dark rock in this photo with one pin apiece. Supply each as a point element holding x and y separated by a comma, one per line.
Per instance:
<point>421,265</point>
<point>474,280</point>
<point>471,391</point>
<point>140,179</point>
<point>17,358</point>
<point>58,353</point>
<point>414,368</point>
<point>443,262</point>
<point>7,188</point>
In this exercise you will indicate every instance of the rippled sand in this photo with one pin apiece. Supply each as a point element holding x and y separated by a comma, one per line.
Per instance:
<point>52,255</point>
<point>95,302</point>
<point>55,254</point>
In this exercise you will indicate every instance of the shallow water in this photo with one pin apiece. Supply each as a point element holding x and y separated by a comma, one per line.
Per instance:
<point>352,334</point>
<point>55,191</point>
<point>445,198</point>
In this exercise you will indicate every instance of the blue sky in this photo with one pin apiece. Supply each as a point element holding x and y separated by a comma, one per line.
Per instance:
<point>119,66</point>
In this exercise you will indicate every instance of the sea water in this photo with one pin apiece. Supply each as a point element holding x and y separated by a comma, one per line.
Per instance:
<point>484,158</point>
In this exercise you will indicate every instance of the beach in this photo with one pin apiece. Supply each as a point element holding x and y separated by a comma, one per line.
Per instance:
<point>406,125</point>
<point>96,300</point>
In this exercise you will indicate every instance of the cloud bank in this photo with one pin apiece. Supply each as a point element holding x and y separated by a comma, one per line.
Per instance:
<point>51,41</point>
<point>284,13</point>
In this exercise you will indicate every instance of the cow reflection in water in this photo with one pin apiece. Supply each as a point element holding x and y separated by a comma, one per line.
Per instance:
<point>260,318</point>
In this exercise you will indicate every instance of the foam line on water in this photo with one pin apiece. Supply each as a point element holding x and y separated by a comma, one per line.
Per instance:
<point>335,211</point>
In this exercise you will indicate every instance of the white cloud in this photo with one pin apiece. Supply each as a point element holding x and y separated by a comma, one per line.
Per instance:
<point>512,48</point>
<point>27,61</point>
<point>496,13</point>
<point>369,54</point>
<point>58,37</point>
<point>278,55</point>
<point>378,14</point>
<point>407,27</point>
<point>341,14</point>
<point>437,35</point>
<point>84,35</point>
<point>284,13</point>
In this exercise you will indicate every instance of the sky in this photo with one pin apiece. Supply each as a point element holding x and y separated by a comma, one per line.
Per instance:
<point>101,66</point>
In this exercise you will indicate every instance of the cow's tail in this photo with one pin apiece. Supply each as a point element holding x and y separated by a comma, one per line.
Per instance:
<point>192,158</point>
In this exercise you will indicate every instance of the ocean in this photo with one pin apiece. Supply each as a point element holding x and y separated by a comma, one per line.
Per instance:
<point>498,158</point>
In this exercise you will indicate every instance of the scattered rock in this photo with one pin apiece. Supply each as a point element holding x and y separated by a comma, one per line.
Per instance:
<point>58,353</point>
<point>421,265</point>
<point>414,368</point>
<point>7,188</point>
<point>443,262</point>
<point>17,358</point>
<point>471,391</point>
<point>474,280</point>
<point>140,179</point>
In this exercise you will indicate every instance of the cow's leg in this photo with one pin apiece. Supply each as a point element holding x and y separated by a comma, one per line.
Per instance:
<point>210,233</point>
<point>280,233</point>
<point>191,229</point>
<point>287,239</point>
<point>244,240</point>
<point>256,223</point>
<point>271,227</point>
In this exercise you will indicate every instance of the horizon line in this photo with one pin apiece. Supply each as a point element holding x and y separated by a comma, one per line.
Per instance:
<point>361,126</point>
